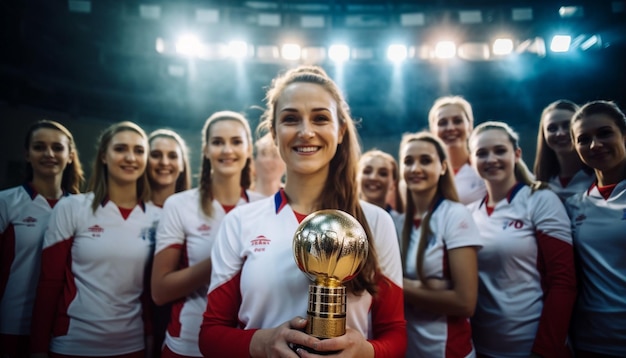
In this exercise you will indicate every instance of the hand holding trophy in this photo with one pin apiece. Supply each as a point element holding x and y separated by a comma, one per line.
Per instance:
<point>330,247</point>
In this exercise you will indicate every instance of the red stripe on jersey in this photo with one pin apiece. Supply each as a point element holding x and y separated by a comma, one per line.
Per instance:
<point>51,300</point>
<point>459,340</point>
<point>7,255</point>
<point>555,263</point>
<point>220,325</point>
<point>388,323</point>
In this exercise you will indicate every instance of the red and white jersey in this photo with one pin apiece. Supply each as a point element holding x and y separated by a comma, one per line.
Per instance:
<point>527,283</point>
<point>255,282</point>
<point>92,279</point>
<point>599,230</point>
<point>469,185</point>
<point>579,183</point>
<point>184,226</point>
<point>431,334</point>
<point>24,217</point>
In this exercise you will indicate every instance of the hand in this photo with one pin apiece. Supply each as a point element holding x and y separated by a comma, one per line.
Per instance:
<point>278,342</point>
<point>436,284</point>
<point>351,344</point>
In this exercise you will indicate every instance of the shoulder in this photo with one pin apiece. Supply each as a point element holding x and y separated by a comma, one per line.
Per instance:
<point>13,194</point>
<point>182,196</point>
<point>254,196</point>
<point>374,213</point>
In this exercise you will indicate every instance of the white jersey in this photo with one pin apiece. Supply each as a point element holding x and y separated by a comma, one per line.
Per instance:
<point>469,185</point>
<point>255,282</point>
<point>526,275</point>
<point>93,274</point>
<point>431,334</point>
<point>184,226</point>
<point>599,229</point>
<point>580,182</point>
<point>24,217</point>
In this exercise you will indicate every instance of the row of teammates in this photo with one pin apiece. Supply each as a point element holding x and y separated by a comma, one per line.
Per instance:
<point>471,254</point>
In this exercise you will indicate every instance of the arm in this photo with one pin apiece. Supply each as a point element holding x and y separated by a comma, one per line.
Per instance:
<point>169,282</point>
<point>457,300</point>
<point>558,280</point>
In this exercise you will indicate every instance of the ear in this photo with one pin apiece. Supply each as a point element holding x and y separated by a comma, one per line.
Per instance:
<point>518,154</point>
<point>205,151</point>
<point>444,168</point>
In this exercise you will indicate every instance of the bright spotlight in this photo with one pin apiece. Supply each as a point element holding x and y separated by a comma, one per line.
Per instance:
<point>238,49</point>
<point>397,53</point>
<point>188,45</point>
<point>445,49</point>
<point>502,47</point>
<point>160,45</point>
<point>560,43</point>
<point>291,52</point>
<point>339,53</point>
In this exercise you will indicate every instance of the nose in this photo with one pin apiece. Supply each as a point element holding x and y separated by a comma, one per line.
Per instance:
<point>48,152</point>
<point>164,160</point>
<point>595,143</point>
<point>306,130</point>
<point>227,148</point>
<point>130,156</point>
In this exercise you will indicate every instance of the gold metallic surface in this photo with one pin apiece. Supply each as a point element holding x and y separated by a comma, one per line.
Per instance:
<point>330,247</point>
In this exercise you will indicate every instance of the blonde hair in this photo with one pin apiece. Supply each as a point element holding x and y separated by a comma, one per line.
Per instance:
<point>458,101</point>
<point>395,174</point>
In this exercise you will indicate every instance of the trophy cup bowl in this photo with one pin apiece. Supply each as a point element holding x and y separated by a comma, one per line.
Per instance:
<point>330,247</point>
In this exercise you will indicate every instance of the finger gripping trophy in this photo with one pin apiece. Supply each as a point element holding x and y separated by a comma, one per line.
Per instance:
<point>330,247</point>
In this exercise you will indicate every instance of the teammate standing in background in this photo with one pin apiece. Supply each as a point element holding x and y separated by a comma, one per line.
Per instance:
<point>439,241</point>
<point>53,171</point>
<point>377,176</point>
<point>556,161</point>
<point>451,119</point>
<point>527,282</point>
<point>91,296</point>
<point>186,232</point>
<point>269,167</point>
<point>599,221</point>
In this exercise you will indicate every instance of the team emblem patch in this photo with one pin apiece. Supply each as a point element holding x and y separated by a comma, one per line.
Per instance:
<point>96,230</point>
<point>260,243</point>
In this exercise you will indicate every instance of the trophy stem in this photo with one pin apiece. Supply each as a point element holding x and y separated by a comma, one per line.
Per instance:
<point>326,312</point>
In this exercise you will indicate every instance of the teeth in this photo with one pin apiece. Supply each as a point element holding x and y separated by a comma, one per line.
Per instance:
<point>306,149</point>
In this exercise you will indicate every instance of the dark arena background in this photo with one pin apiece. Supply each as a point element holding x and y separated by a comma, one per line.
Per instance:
<point>172,63</point>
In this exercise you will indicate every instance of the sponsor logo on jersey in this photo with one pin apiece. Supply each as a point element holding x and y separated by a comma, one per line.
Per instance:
<point>204,229</point>
<point>260,243</point>
<point>29,221</point>
<point>96,230</point>
<point>516,224</point>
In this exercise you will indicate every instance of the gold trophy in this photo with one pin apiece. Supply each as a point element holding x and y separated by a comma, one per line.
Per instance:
<point>330,247</point>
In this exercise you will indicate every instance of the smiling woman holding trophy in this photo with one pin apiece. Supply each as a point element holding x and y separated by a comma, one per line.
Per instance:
<point>258,300</point>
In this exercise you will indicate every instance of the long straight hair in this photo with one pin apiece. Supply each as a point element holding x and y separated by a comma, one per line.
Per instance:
<point>73,175</point>
<point>206,175</point>
<point>445,190</point>
<point>99,181</point>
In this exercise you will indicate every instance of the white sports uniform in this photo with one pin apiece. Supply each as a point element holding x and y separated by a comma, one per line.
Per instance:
<point>599,230</point>
<point>431,334</point>
<point>24,217</point>
<point>469,185</point>
<point>184,226</point>
<point>256,283</point>
<point>527,284</point>
<point>580,182</point>
<point>92,280</point>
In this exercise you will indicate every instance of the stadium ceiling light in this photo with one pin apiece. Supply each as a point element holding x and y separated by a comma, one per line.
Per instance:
<point>188,45</point>
<point>291,52</point>
<point>445,49</point>
<point>502,47</point>
<point>397,53</point>
<point>339,53</point>
<point>238,49</point>
<point>560,43</point>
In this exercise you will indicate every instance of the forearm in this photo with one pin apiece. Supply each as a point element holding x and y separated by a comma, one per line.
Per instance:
<point>180,283</point>
<point>443,301</point>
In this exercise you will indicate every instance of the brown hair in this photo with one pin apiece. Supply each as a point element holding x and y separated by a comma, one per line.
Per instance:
<point>445,189</point>
<point>99,180</point>
<point>341,190</point>
<point>73,175</point>
<point>183,182</point>
<point>395,174</point>
<point>206,192</point>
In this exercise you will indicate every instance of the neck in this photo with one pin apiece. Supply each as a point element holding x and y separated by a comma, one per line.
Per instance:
<point>569,164</point>
<point>160,193</point>
<point>611,176</point>
<point>423,201</point>
<point>226,190</point>
<point>304,191</point>
<point>49,187</point>
<point>499,191</point>
<point>378,202</point>
<point>267,187</point>
<point>123,195</point>
<point>459,156</point>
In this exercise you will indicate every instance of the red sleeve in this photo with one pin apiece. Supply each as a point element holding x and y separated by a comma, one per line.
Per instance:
<point>220,335</point>
<point>389,325</point>
<point>55,264</point>
<point>7,255</point>
<point>558,281</point>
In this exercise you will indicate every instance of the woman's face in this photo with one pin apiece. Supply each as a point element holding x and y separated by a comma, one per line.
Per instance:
<point>451,125</point>
<point>421,167</point>
<point>49,152</point>
<point>227,147</point>
<point>493,156</point>
<point>126,157</point>
<point>556,130</point>
<point>599,142</point>
<point>268,163</point>
<point>376,178</point>
<point>307,128</point>
<point>165,162</point>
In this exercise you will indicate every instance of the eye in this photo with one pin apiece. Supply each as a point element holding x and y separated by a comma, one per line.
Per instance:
<point>552,128</point>
<point>481,153</point>
<point>500,151</point>
<point>442,122</point>
<point>321,119</point>
<point>155,154</point>
<point>383,173</point>
<point>605,133</point>
<point>217,141</point>
<point>173,155</point>
<point>139,150</point>
<point>289,119</point>
<point>367,170</point>
<point>583,140</point>
<point>457,121</point>
<point>408,161</point>
<point>58,147</point>
<point>426,160</point>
